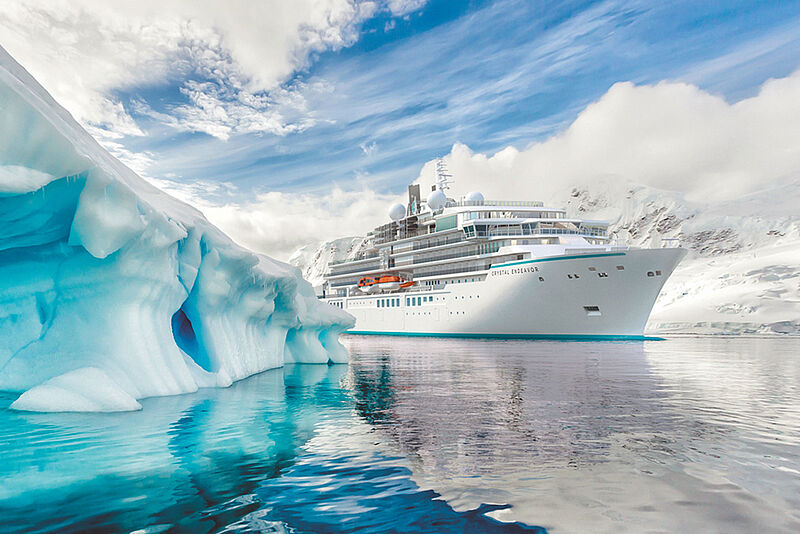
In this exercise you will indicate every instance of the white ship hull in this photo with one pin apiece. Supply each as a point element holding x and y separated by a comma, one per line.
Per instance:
<point>531,298</point>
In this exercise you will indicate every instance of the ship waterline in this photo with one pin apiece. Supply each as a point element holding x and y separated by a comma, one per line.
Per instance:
<point>479,268</point>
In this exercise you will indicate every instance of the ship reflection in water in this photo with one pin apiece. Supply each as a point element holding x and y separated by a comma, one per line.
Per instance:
<point>435,435</point>
<point>688,434</point>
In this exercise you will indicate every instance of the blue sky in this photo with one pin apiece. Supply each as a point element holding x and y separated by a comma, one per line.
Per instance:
<point>487,74</point>
<point>223,105</point>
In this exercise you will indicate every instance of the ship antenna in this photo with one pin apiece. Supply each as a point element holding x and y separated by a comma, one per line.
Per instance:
<point>442,177</point>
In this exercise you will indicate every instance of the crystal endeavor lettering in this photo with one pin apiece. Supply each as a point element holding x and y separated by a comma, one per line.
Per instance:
<point>515,270</point>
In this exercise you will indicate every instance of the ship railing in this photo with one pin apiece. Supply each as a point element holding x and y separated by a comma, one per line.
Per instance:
<point>445,257</point>
<point>511,203</point>
<point>539,231</point>
<point>419,289</point>
<point>670,242</point>
<point>342,284</point>
<point>368,256</point>
<point>368,267</point>
<point>353,291</point>
<point>438,243</point>
<point>454,270</point>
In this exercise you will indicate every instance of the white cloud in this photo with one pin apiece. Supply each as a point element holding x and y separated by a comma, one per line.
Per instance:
<point>369,148</point>
<point>140,162</point>
<point>84,51</point>
<point>277,223</point>
<point>670,136</point>
<point>399,8</point>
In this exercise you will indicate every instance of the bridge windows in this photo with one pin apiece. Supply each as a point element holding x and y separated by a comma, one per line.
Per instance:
<point>592,311</point>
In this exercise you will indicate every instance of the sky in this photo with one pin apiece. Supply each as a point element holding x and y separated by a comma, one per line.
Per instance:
<point>289,123</point>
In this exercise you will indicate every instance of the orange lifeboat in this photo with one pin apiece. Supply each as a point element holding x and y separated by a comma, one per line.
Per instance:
<point>367,284</point>
<point>386,282</point>
<point>389,282</point>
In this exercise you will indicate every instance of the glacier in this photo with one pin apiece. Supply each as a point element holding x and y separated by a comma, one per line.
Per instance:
<point>112,291</point>
<point>313,259</point>
<point>742,273</point>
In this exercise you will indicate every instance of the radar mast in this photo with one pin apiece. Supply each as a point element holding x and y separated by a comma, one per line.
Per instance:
<point>443,180</point>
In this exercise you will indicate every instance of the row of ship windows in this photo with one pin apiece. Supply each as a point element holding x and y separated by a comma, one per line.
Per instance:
<point>410,301</point>
<point>489,248</point>
<point>417,301</point>
<point>413,301</point>
<point>457,281</point>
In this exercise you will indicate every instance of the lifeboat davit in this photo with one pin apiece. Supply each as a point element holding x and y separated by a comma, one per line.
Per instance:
<point>367,284</point>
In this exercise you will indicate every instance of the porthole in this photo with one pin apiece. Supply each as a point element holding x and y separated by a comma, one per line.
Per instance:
<point>592,311</point>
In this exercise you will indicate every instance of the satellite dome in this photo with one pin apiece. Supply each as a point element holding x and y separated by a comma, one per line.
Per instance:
<point>397,212</point>
<point>437,200</point>
<point>474,196</point>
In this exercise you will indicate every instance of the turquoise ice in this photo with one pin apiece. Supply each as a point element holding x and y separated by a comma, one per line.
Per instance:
<point>112,291</point>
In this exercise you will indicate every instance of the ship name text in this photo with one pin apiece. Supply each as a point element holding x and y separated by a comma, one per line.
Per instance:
<point>515,270</point>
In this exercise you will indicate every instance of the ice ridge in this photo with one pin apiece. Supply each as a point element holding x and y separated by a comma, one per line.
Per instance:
<point>112,291</point>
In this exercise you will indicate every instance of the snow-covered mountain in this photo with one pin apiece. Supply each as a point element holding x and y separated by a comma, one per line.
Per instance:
<point>313,259</point>
<point>742,274</point>
<point>112,291</point>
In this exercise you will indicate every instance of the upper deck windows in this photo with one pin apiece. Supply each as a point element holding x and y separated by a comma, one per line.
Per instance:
<point>498,203</point>
<point>484,229</point>
<point>496,214</point>
<point>446,223</point>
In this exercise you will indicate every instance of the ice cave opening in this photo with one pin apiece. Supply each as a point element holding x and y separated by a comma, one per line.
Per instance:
<point>186,339</point>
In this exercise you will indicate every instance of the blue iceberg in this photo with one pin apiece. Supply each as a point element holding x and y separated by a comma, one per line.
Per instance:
<point>112,291</point>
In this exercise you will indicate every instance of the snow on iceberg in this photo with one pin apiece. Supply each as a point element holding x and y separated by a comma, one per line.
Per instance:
<point>112,291</point>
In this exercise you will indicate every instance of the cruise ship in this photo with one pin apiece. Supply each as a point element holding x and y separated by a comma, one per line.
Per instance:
<point>496,268</point>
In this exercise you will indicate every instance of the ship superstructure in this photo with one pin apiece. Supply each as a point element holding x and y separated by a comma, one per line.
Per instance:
<point>510,268</point>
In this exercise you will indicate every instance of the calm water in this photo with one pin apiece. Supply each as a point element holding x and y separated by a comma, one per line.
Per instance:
<point>427,435</point>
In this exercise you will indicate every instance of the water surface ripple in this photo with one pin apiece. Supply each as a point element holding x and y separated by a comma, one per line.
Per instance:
<point>435,435</point>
